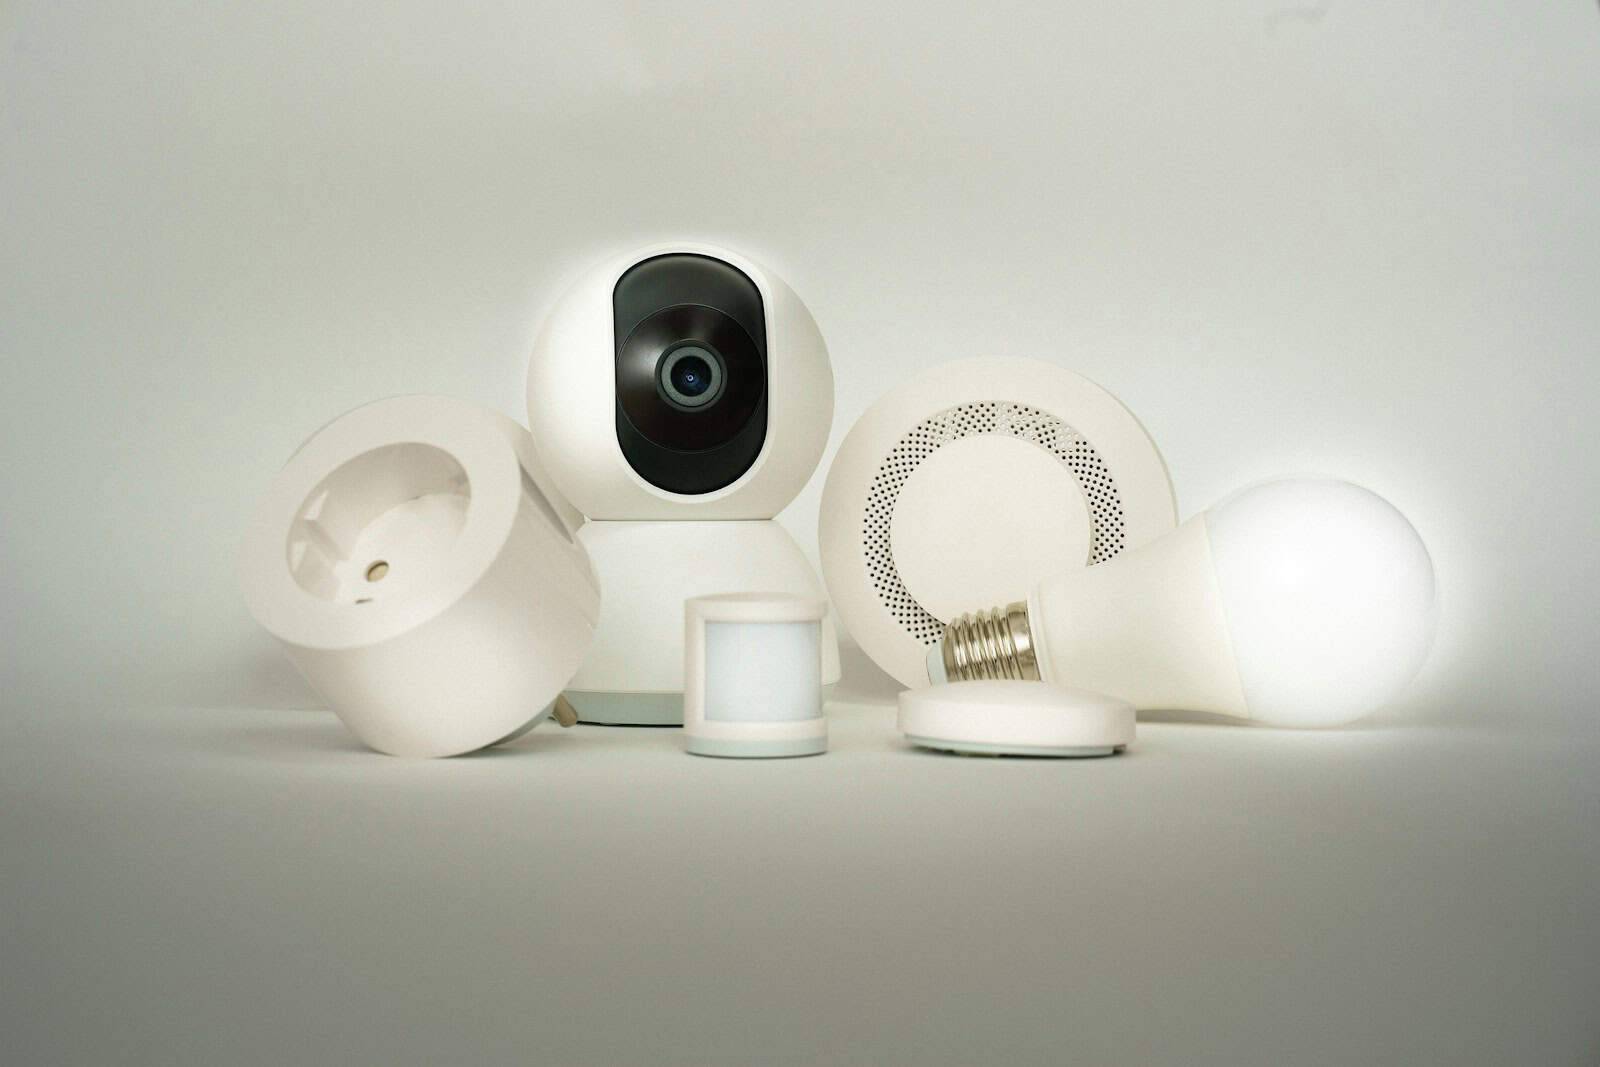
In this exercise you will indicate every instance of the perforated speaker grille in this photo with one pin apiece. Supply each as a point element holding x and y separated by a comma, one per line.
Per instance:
<point>1071,448</point>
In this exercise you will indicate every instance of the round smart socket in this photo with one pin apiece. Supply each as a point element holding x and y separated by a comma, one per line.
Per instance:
<point>421,570</point>
<point>1015,718</point>
<point>961,488</point>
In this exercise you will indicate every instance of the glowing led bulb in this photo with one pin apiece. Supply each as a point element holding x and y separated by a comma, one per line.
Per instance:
<point>1303,602</point>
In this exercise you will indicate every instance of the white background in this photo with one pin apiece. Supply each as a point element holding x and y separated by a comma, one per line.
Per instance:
<point>1355,239</point>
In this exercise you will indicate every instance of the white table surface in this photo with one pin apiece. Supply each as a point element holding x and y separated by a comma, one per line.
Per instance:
<point>226,885</point>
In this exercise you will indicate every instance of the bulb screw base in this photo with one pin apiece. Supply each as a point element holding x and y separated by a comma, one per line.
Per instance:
<point>990,644</point>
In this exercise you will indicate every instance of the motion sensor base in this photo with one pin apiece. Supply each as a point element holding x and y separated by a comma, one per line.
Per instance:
<point>635,709</point>
<point>749,749</point>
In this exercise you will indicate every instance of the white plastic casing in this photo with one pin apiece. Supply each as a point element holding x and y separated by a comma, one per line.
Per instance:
<point>1304,602</point>
<point>1147,626</point>
<point>422,572</point>
<point>652,548</point>
<point>572,402</point>
<point>963,486</point>
<point>753,676</point>
<point>1015,718</point>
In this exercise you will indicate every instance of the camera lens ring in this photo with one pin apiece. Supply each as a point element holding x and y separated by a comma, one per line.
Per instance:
<point>690,375</point>
<point>643,402</point>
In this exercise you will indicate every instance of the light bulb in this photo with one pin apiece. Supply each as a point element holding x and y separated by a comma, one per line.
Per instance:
<point>1303,602</point>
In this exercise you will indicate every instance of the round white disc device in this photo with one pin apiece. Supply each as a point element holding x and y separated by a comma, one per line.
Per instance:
<point>1015,718</point>
<point>961,488</point>
<point>422,572</point>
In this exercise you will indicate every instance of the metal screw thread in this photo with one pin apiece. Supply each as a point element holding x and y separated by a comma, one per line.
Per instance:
<point>991,644</point>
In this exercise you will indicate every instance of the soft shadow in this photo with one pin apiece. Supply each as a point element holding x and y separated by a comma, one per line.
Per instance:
<point>1178,715</point>
<point>1210,718</point>
<point>258,676</point>
<point>293,737</point>
<point>298,740</point>
<point>862,681</point>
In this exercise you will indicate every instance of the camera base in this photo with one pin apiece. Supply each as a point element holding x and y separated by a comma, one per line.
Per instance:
<point>634,671</point>
<point>627,709</point>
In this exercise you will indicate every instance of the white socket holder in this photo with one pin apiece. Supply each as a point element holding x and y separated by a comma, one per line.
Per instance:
<point>753,675</point>
<point>422,572</point>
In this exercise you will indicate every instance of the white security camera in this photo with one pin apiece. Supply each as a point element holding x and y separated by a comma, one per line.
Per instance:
<point>681,397</point>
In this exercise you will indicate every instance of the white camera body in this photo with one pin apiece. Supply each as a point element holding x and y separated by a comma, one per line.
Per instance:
<point>680,397</point>
<point>572,401</point>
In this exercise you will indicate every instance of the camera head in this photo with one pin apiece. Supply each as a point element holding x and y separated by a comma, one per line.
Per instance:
<point>682,381</point>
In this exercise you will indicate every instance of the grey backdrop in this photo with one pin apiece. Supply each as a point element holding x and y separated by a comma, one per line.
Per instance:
<point>1354,239</point>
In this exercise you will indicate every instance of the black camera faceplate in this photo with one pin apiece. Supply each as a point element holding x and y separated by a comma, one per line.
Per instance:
<point>658,305</point>
<point>653,414</point>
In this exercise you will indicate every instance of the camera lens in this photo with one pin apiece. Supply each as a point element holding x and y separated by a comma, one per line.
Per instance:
<point>690,379</point>
<point>690,376</point>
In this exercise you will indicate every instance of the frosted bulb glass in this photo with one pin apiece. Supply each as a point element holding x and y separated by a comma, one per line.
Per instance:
<point>1303,602</point>
<point>1328,596</point>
